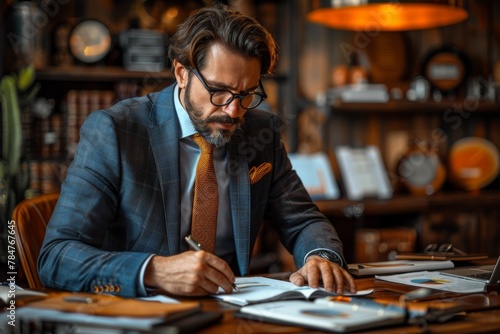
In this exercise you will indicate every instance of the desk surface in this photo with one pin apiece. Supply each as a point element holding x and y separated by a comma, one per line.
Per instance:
<point>483,317</point>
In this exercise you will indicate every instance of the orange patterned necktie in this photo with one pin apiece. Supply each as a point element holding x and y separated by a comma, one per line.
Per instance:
<point>206,197</point>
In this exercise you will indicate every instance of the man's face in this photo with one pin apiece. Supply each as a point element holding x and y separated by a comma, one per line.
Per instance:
<point>223,70</point>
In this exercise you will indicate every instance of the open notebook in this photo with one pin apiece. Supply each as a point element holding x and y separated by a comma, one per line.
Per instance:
<point>486,274</point>
<point>256,289</point>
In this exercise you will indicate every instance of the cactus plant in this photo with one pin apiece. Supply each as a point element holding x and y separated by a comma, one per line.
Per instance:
<point>16,92</point>
<point>11,126</point>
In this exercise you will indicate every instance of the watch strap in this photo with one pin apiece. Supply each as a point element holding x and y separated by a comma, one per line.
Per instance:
<point>328,255</point>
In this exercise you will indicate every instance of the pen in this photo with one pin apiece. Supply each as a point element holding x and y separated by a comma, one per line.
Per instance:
<point>197,247</point>
<point>192,243</point>
<point>78,299</point>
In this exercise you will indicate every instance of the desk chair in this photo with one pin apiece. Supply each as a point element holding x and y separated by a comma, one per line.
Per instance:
<point>31,217</point>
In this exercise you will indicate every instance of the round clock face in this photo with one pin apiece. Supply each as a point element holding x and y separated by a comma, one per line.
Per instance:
<point>445,69</point>
<point>419,171</point>
<point>90,41</point>
<point>422,172</point>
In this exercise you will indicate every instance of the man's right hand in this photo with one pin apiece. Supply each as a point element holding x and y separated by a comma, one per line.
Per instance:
<point>189,274</point>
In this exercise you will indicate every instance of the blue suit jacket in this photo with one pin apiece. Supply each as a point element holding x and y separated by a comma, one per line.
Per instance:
<point>120,201</point>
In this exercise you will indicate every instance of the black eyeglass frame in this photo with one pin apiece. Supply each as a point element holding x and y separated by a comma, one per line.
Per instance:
<point>212,91</point>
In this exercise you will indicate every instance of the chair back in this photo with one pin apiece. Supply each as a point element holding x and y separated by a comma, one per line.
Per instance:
<point>31,217</point>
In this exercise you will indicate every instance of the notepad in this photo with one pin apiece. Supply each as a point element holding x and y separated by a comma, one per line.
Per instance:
<point>114,306</point>
<point>254,290</point>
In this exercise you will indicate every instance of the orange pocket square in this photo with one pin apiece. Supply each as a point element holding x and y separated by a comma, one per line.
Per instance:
<point>257,173</point>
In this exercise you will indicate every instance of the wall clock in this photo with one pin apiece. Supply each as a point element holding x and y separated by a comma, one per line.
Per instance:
<point>420,169</point>
<point>446,69</point>
<point>421,173</point>
<point>90,41</point>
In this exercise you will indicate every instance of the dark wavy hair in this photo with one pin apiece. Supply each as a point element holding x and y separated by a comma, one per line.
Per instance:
<point>218,24</point>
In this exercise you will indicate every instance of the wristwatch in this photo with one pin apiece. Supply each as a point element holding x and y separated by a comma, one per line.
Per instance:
<point>330,256</point>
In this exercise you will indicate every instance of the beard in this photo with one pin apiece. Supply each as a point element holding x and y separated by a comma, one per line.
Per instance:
<point>217,137</point>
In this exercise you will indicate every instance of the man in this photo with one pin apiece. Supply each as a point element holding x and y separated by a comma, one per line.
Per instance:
<point>127,201</point>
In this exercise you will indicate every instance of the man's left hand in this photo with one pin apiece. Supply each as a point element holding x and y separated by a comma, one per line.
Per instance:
<point>316,269</point>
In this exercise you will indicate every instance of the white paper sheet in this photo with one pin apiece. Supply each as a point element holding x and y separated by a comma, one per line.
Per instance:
<point>435,280</point>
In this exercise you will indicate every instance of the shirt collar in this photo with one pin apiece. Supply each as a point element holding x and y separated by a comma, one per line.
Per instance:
<point>186,127</point>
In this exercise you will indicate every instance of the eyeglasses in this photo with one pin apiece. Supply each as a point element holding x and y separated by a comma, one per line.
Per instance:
<point>444,248</point>
<point>222,97</point>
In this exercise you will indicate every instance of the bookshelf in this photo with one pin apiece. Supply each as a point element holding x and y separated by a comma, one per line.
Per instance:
<point>468,220</point>
<point>72,89</point>
<point>98,73</point>
<point>73,92</point>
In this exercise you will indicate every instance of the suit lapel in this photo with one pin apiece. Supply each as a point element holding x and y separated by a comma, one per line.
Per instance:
<point>164,137</point>
<point>239,189</point>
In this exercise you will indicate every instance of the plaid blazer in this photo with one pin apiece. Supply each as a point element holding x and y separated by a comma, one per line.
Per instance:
<point>120,201</point>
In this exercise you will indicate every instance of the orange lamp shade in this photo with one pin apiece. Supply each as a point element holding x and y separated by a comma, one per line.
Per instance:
<point>395,16</point>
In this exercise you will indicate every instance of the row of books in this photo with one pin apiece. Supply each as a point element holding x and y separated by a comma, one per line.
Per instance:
<point>79,104</point>
<point>51,138</point>
<point>46,176</point>
<point>55,135</point>
<point>47,137</point>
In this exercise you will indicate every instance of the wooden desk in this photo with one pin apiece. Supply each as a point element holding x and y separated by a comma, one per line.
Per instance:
<point>484,316</point>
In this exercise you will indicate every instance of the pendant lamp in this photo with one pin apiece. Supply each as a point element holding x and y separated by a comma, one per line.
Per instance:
<point>365,15</point>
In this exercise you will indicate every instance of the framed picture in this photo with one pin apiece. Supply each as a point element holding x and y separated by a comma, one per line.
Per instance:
<point>363,172</point>
<point>316,174</point>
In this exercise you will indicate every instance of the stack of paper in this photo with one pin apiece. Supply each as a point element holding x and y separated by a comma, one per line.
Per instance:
<point>435,280</point>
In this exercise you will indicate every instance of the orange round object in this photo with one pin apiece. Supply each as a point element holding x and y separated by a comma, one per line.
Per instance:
<point>340,75</point>
<point>473,163</point>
